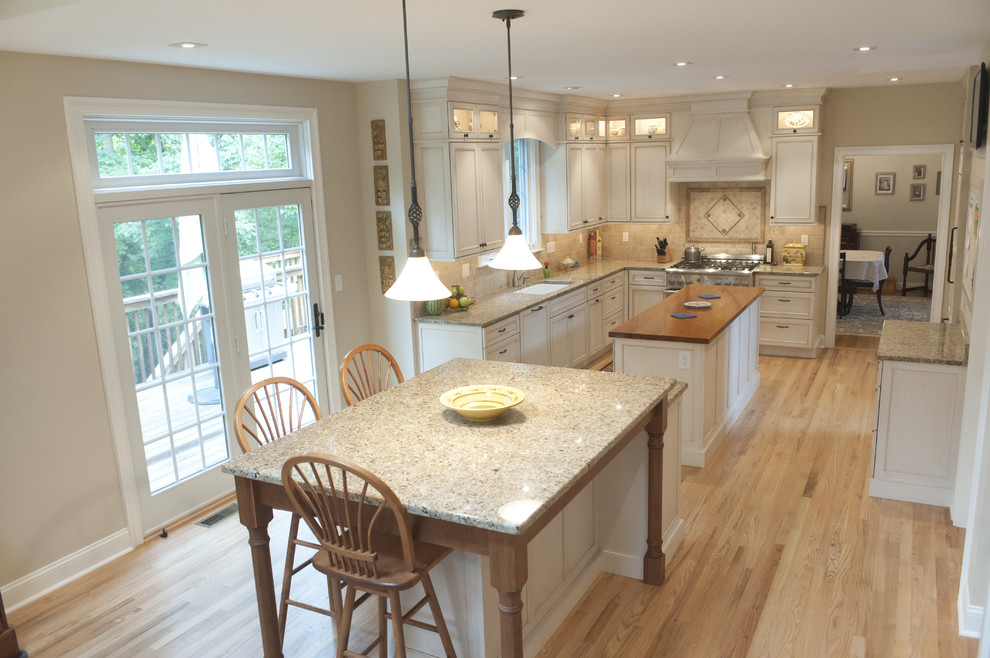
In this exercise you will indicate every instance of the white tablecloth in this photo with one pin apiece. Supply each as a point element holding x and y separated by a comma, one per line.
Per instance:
<point>865,265</point>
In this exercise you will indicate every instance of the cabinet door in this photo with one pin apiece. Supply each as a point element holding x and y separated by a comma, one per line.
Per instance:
<point>617,174</point>
<point>534,333</point>
<point>578,335</point>
<point>649,183</point>
<point>465,171</point>
<point>593,183</point>
<point>504,350</point>
<point>596,324</point>
<point>560,348</point>
<point>793,180</point>
<point>575,183</point>
<point>492,201</point>
<point>642,298</point>
<point>437,229</point>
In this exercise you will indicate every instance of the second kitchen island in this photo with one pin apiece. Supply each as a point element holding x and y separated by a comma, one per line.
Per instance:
<point>715,353</point>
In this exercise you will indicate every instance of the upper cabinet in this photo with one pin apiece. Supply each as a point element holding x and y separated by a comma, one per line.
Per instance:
<point>572,189</point>
<point>586,127</point>
<point>651,126</point>
<point>637,182</point>
<point>794,165</point>
<point>469,121</point>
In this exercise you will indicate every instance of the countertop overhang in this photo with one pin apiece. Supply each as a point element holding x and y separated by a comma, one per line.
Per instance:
<point>657,323</point>
<point>923,342</point>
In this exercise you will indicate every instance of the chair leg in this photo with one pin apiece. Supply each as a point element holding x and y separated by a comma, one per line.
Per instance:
<point>448,645</point>
<point>397,630</point>
<point>382,627</point>
<point>290,560</point>
<point>344,625</point>
<point>880,303</point>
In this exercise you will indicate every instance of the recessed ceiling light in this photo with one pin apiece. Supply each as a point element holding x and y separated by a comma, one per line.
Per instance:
<point>188,45</point>
<point>894,79</point>
<point>515,77</point>
<point>720,77</point>
<point>572,88</point>
<point>682,64</point>
<point>616,95</point>
<point>864,49</point>
<point>789,85</point>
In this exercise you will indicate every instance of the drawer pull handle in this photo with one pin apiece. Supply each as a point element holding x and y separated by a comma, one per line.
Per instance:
<point>504,351</point>
<point>538,308</point>
<point>784,283</point>
<point>502,329</point>
<point>570,317</point>
<point>649,277</point>
<point>783,326</point>
<point>783,300</point>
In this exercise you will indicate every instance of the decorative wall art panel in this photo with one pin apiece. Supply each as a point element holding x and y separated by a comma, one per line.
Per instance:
<point>386,269</point>
<point>382,196</point>
<point>378,150</point>
<point>383,221</point>
<point>726,215</point>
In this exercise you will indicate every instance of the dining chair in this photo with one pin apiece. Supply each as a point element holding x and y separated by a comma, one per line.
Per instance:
<point>927,268</point>
<point>349,508</point>
<point>852,285</point>
<point>843,304</point>
<point>276,407</point>
<point>366,370</point>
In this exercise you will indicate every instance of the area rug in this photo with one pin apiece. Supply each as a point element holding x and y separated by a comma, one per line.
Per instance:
<point>865,320</point>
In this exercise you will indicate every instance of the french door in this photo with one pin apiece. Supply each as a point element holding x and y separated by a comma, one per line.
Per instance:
<point>208,294</point>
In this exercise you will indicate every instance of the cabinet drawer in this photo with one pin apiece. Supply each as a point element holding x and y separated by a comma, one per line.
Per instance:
<point>595,289</point>
<point>611,322</point>
<point>615,281</point>
<point>570,300</point>
<point>785,333</point>
<point>502,329</point>
<point>508,349</point>
<point>612,301</point>
<point>773,282</point>
<point>648,278</point>
<point>788,304</point>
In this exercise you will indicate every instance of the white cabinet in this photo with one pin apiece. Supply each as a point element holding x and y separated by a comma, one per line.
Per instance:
<point>460,192</point>
<point>793,180</point>
<point>788,315</point>
<point>470,121</point>
<point>572,186</point>
<point>439,343</point>
<point>606,301</point>
<point>919,411</point>
<point>617,182</point>
<point>649,183</point>
<point>504,350</point>
<point>534,335</point>
<point>585,127</point>
<point>646,288</point>
<point>569,329</point>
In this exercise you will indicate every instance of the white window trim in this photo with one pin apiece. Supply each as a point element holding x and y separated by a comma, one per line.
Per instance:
<point>77,111</point>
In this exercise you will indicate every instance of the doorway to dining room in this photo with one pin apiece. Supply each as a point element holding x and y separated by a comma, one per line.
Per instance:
<point>889,196</point>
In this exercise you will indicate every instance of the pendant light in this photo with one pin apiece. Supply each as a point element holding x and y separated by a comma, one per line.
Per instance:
<point>417,282</point>
<point>515,253</point>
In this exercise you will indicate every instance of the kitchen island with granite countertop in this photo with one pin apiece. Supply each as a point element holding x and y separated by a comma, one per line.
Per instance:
<point>715,352</point>
<point>542,496</point>
<point>921,382</point>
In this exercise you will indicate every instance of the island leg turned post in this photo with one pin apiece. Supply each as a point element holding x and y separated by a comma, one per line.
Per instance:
<point>509,572</point>
<point>256,516</point>
<point>655,562</point>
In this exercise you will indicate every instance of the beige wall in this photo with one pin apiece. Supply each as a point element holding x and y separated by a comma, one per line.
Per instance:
<point>58,481</point>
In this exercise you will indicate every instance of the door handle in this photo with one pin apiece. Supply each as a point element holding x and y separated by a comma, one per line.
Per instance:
<point>317,319</point>
<point>952,244</point>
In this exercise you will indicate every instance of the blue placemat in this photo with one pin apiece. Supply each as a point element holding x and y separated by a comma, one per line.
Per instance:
<point>681,316</point>
<point>710,296</point>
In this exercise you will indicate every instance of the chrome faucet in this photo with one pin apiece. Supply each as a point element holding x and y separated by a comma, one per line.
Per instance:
<point>518,278</point>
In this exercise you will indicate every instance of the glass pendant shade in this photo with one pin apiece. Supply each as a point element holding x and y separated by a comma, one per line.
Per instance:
<point>417,282</point>
<point>515,254</point>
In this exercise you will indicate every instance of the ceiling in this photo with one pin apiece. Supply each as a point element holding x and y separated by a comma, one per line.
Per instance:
<point>627,47</point>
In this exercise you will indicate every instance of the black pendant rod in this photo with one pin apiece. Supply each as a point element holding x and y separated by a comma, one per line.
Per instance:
<point>506,15</point>
<point>415,213</point>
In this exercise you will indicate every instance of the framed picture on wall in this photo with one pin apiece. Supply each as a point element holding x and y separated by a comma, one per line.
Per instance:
<point>917,191</point>
<point>885,183</point>
<point>978,116</point>
<point>918,171</point>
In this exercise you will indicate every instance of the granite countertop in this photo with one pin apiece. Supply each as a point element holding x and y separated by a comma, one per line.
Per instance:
<point>494,475</point>
<point>792,270</point>
<point>491,308</point>
<point>658,323</point>
<point>923,342</point>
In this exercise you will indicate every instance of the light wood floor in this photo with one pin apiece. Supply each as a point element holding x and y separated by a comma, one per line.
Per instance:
<point>785,555</point>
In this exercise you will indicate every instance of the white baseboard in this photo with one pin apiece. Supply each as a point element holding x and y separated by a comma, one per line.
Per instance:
<point>698,457</point>
<point>35,585</point>
<point>970,616</point>
<point>911,493</point>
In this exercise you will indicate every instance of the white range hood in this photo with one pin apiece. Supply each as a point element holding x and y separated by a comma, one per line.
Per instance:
<point>721,144</point>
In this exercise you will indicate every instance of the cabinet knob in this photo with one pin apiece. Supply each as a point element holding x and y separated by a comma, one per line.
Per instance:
<point>483,244</point>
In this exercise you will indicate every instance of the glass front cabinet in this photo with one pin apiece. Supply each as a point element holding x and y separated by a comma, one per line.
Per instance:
<point>469,121</point>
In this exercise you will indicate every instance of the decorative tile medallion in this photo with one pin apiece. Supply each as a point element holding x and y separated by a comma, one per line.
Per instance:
<point>726,215</point>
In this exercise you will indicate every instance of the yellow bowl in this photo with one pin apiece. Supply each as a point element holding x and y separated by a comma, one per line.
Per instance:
<point>482,402</point>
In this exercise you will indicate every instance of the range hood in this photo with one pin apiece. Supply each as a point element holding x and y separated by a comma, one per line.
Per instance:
<point>721,144</point>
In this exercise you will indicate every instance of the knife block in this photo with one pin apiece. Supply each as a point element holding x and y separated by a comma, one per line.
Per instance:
<point>665,258</point>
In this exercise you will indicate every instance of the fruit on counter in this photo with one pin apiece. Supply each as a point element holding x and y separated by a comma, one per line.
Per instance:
<point>465,301</point>
<point>437,306</point>
<point>454,303</point>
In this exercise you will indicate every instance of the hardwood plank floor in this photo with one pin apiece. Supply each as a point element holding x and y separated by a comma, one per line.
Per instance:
<point>785,554</point>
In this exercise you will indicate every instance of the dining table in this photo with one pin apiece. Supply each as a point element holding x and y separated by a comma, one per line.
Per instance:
<point>482,488</point>
<point>865,265</point>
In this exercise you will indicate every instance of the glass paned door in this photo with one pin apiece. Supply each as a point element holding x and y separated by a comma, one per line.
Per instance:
<point>276,265</point>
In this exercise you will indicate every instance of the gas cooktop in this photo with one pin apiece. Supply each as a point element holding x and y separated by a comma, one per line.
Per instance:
<point>720,263</point>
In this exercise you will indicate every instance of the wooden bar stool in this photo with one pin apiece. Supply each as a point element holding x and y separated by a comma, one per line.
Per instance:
<point>276,407</point>
<point>345,505</point>
<point>366,370</point>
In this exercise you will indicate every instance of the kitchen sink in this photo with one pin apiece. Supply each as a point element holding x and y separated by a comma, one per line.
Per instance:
<point>544,288</point>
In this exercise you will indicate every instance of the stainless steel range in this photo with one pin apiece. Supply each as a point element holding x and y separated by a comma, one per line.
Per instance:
<point>714,270</point>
